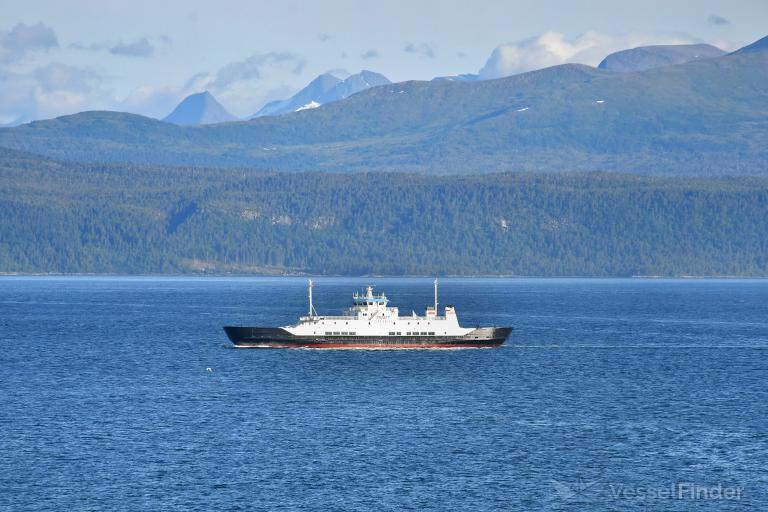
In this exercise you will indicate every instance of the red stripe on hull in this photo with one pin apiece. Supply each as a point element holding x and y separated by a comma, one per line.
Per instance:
<point>368,345</point>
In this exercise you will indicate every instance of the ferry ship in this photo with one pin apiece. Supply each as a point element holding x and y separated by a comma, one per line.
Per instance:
<point>371,323</point>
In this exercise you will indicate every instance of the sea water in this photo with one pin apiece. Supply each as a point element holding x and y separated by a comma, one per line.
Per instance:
<point>124,394</point>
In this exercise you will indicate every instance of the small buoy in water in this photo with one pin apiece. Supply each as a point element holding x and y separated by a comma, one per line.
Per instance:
<point>209,369</point>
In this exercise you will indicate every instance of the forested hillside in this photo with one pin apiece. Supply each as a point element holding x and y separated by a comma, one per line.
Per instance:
<point>108,218</point>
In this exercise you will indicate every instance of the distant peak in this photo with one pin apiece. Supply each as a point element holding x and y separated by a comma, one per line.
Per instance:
<point>758,46</point>
<point>199,108</point>
<point>656,56</point>
<point>325,88</point>
<point>371,78</point>
<point>326,77</point>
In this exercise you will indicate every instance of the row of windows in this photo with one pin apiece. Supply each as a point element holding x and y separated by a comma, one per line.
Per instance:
<point>393,333</point>
<point>407,323</point>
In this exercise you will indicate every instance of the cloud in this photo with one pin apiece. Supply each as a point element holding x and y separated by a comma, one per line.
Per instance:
<point>139,48</point>
<point>244,100</point>
<point>242,86</point>
<point>49,91</point>
<point>323,37</point>
<point>15,43</point>
<point>370,54</point>
<point>421,49</point>
<point>153,101</point>
<point>553,48</point>
<point>62,89</point>
<point>717,20</point>
<point>89,47</point>
<point>57,89</point>
<point>248,69</point>
<point>58,77</point>
<point>17,100</point>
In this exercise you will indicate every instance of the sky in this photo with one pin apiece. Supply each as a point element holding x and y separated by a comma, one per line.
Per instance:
<point>62,57</point>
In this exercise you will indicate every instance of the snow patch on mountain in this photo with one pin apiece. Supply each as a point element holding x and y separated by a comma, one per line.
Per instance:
<point>310,105</point>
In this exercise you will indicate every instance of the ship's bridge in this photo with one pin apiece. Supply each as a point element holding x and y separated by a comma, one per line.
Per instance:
<point>367,305</point>
<point>369,299</point>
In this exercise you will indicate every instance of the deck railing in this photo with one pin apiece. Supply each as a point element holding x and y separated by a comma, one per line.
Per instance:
<point>348,318</point>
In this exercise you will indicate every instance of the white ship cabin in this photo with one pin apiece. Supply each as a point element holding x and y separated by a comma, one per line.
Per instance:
<point>370,315</point>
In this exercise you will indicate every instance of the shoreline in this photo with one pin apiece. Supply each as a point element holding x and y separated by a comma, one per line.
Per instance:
<point>379,276</point>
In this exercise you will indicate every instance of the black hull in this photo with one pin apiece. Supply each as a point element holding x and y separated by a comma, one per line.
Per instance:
<point>275,337</point>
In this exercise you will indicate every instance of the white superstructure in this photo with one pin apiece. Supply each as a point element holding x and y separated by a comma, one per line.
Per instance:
<point>371,316</point>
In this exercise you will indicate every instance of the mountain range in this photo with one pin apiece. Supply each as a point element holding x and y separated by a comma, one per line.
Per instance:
<point>202,108</point>
<point>324,89</point>
<point>703,117</point>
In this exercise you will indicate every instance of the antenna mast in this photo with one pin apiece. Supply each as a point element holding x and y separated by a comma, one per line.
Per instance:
<point>311,307</point>
<point>436,297</point>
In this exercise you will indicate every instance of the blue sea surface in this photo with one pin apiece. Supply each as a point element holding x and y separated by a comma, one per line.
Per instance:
<point>625,395</point>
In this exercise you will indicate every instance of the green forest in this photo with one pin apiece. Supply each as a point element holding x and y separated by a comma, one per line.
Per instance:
<point>58,217</point>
